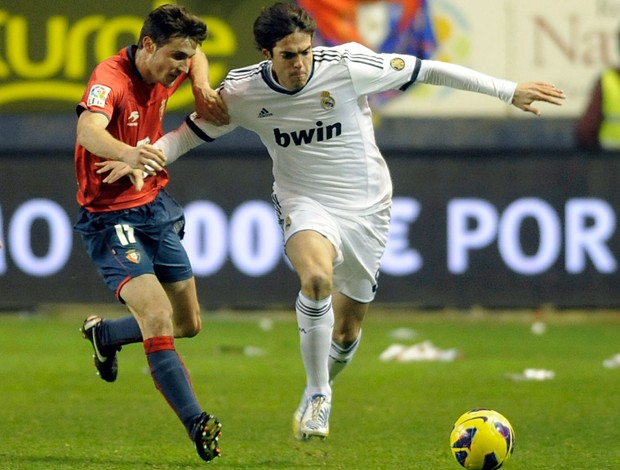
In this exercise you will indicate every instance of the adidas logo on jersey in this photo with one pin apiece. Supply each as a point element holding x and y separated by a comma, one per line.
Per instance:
<point>264,113</point>
<point>306,136</point>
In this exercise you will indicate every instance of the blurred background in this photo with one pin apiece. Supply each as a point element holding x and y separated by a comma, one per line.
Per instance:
<point>493,207</point>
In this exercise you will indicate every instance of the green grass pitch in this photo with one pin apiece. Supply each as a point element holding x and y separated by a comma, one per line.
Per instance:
<point>55,413</point>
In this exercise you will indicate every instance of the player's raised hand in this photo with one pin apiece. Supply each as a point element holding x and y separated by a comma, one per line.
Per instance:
<point>117,170</point>
<point>529,92</point>
<point>144,157</point>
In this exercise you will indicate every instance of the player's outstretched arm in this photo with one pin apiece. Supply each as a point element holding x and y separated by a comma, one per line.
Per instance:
<point>521,95</point>
<point>527,93</point>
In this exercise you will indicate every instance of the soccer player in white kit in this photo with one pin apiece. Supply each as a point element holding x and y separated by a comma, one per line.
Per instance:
<point>332,189</point>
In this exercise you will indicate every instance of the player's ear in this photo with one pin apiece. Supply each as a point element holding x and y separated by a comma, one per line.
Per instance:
<point>148,45</point>
<point>266,54</point>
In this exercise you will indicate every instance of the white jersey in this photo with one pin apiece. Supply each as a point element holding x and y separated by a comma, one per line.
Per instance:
<point>321,137</point>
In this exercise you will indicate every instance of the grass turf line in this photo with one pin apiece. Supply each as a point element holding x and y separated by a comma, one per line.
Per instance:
<point>57,414</point>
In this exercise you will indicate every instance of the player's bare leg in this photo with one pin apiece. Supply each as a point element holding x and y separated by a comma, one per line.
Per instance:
<point>312,256</point>
<point>150,304</point>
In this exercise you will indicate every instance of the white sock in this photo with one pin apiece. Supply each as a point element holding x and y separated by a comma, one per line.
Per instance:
<point>315,320</point>
<point>339,357</point>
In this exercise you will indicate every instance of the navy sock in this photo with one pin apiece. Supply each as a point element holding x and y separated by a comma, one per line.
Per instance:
<point>172,379</point>
<point>117,333</point>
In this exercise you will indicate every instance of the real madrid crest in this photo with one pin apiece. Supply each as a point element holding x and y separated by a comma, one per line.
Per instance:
<point>327,101</point>
<point>397,64</point>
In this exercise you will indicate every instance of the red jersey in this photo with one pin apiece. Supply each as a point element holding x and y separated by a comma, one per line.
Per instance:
<point>136,111</point>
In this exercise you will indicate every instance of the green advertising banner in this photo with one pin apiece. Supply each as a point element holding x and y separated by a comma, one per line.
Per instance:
<point>48,49</point>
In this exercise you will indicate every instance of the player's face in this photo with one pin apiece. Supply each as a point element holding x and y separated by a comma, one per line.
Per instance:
<point>165,63</point>
<point>292,60</point>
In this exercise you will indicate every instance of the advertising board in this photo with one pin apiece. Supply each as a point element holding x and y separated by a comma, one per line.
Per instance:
<point>496,229</point>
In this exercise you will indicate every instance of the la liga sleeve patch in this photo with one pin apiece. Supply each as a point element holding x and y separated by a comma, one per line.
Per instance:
<point>97,95</point>
<point>397,64</point>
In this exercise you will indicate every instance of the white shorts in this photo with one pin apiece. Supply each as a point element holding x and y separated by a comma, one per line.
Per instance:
<point>359,242</point>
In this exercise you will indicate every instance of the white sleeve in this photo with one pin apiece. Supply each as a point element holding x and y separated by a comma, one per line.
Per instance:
<point>434,72</point>
<point>193,132</point>
<point>178,142</point>
<point>374,73</point>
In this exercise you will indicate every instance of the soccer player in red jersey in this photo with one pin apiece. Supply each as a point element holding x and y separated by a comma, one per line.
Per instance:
<point>134,237</point>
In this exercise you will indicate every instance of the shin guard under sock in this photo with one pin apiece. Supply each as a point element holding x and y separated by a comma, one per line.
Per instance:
<point>172,379</point>
<point>315,320</point>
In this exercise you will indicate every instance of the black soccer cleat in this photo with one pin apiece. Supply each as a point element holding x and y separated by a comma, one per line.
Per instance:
<point>205,434</point>
<point>105,358</point>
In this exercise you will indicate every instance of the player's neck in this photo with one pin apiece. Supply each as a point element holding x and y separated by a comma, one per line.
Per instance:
<point>141,67</point>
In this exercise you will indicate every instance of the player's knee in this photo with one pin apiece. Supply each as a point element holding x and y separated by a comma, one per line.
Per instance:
<point>194,328</point>
<point>156,322</point>
<point>189,327</point>
<point>345,337</point>
<point>188,331</point>
<point>316,285</point>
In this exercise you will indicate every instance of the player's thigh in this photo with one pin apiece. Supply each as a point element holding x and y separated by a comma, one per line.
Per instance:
<point>311,234</point>
<point>148,301</point>
<point>309,250</point>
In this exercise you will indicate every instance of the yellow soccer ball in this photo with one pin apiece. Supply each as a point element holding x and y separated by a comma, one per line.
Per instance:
<point>482,439</point>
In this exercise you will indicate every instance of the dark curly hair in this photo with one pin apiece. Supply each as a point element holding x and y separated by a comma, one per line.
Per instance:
<point>172,21</point>
<point>278,21</point>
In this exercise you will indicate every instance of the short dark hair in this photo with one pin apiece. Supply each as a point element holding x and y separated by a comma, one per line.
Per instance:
<point>172,21</point>
<point>278,21</point>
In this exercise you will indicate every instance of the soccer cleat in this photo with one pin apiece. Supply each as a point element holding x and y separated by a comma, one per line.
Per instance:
<point>205,434</point>
<point>315,420</point>
<point>105,358</point>
<point>298,415</point>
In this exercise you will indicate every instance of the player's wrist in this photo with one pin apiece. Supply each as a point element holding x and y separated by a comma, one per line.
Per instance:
<point>201,87</point>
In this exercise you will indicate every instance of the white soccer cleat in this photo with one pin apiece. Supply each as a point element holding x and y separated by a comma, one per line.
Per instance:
<point>315,419</point>
<point>298,415</point>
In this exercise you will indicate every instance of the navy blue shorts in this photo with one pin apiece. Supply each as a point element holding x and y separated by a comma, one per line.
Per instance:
<point>144,240</point>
